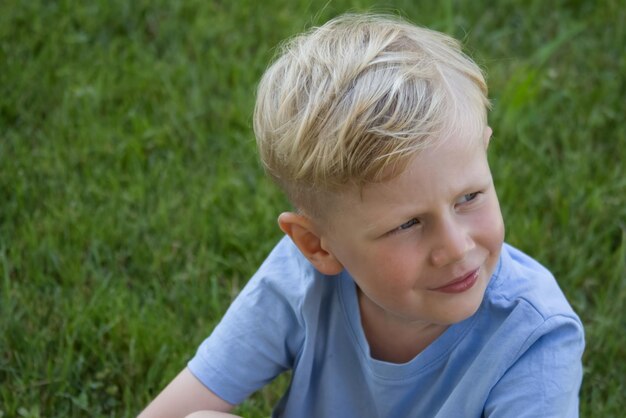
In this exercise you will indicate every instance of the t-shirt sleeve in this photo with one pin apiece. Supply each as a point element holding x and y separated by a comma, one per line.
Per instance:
<point>256,340</point>
<point>545,380</point>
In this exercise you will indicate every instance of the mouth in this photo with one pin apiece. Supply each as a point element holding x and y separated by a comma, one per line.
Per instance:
<point>460,284</point>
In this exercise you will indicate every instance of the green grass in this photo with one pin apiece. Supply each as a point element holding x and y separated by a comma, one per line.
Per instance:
<point>133,208</point>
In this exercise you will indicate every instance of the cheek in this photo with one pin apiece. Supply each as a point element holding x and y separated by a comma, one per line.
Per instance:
<point>491,226</point>
<point>396,267</point>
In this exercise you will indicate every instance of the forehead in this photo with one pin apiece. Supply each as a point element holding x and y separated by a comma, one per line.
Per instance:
<point>436,174</point>
<point>461,142</point>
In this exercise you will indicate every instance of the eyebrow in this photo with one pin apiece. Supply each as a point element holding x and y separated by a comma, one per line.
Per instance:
<point>417,211</point>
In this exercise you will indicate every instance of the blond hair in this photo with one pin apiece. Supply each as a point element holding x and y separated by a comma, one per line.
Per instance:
<point>350,102</point>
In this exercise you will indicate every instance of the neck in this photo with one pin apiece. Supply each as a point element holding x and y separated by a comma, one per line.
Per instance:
<point>392,339</point>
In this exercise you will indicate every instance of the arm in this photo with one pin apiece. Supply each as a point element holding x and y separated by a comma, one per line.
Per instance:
<point>186,395</point>
<point>255,341</point>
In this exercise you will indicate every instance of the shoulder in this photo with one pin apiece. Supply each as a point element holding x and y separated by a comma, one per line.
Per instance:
<point>537,337</point>
<point>285,281</point>
<point>287,270</point>
<point>269,319</point>
<point>525,302</point>
<point>521,280</point>
<point>285,263</point>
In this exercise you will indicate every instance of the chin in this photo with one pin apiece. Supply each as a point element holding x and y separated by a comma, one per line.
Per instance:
<point>461,312</point>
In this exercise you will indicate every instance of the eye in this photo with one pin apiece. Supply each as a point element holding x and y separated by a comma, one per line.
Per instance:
<point>404,227</point>
<point>466,198</point>
<point>408,224</point>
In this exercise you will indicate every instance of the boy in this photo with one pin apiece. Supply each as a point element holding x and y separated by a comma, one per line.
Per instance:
<point>392,294</point>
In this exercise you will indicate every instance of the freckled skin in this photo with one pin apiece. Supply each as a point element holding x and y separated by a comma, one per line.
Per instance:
<point>402,239</point>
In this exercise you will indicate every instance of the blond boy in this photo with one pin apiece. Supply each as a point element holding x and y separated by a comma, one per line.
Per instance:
<point>393,293</point>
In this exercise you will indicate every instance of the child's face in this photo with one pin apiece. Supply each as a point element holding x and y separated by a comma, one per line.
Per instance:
<point>422,246</point>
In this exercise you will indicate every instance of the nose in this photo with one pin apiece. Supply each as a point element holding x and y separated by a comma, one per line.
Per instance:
<point>452,242</point>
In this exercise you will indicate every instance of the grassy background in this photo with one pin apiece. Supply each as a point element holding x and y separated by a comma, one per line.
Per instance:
<point>132,206</point>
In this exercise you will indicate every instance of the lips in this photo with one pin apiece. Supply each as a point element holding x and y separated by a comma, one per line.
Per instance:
<point>460,284</point>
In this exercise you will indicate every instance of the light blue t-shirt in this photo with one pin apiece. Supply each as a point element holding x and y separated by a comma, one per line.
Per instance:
<point>518,356</point>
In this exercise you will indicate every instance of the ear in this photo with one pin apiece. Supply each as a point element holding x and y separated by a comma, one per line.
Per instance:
<point>303,233</point>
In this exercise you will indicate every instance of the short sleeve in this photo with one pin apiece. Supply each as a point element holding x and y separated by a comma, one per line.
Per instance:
<point>545,380</point>
<point>256,340</point>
